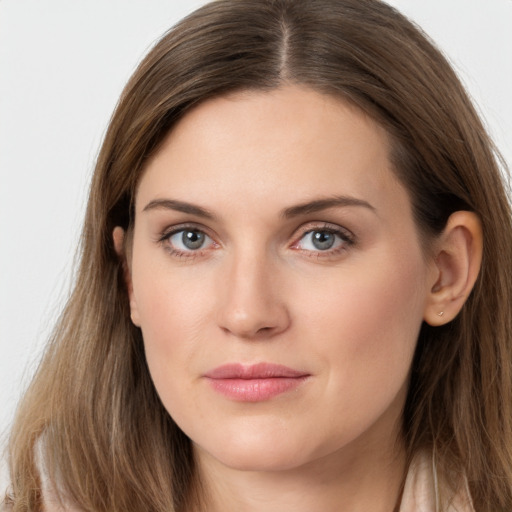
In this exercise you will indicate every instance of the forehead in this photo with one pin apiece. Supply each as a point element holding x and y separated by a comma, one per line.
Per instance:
<point>287,145</point>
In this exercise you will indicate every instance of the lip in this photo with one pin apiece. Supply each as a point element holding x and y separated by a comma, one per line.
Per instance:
<point>254,383</point>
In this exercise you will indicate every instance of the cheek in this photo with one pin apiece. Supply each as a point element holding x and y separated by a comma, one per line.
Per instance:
<point>365,325</point>
<point>375,298</point>
<point>168,299</point>
<point>170,335</point>
<point>168,315</point>
<point>175,311</point>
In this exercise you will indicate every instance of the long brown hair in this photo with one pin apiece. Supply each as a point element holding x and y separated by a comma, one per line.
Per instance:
<point>92,413</point>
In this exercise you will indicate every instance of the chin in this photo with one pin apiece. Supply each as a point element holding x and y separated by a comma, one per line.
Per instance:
<point>256,456</point>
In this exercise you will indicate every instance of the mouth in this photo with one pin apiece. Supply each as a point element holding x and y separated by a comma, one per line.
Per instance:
<point>254,383</point>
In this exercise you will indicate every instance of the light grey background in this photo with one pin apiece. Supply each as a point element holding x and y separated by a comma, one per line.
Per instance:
<point>62,67</point>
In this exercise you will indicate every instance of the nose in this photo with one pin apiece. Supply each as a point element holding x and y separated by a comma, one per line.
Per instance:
<point>252,304</point>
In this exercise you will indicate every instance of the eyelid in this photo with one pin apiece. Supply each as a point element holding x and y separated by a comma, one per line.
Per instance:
<point>325,226</point>
<point>176,228</point>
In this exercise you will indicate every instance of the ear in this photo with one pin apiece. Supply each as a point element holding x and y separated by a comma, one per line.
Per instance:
<point>457,260</point>
<point>118,236</point>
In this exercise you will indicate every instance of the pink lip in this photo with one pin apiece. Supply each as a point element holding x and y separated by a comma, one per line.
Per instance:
<point>254,383</point>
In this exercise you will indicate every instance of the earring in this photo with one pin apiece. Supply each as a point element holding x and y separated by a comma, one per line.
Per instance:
<point>440,313</point>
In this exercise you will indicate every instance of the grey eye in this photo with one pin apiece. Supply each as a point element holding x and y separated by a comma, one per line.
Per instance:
<point>322,240</point>
<point>192,239</point>
<point>187,240</point>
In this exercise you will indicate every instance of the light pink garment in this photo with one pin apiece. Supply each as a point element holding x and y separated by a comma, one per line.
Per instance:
<point>423,493</point>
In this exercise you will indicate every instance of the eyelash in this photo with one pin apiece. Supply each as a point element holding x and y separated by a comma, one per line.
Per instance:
<point>346,240</point>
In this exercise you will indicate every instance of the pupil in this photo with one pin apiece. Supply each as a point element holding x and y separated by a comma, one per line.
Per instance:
<point>323,240</point>
<point>192,239</point>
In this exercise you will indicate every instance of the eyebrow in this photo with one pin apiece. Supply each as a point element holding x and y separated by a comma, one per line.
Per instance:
<point>314,206</point>
<point>179,206</point>
<point>318,205</point>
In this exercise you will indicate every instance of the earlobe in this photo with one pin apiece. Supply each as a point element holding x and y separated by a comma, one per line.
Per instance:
<point>118,236</point>
<point>458,257</point>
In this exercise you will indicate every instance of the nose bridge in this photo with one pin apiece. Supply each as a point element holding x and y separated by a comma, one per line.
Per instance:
<point>252,305</point>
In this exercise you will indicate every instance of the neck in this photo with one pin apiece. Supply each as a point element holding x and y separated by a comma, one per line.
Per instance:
<point>368,479</point>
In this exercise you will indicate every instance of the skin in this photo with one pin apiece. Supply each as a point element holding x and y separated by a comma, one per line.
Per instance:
<point>259,290</point>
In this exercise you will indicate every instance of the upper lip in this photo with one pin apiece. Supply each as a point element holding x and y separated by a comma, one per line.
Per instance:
<point>254,371</point>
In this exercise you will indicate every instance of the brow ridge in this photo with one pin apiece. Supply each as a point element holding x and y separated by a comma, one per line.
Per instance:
<point>180,206</point>
<point>309,207</point>
<point>318,205</point>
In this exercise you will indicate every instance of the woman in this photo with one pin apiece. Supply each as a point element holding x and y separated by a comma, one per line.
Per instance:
<point>292,292</point>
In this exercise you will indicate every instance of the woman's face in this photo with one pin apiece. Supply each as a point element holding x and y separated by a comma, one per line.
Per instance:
<point>278,280</point>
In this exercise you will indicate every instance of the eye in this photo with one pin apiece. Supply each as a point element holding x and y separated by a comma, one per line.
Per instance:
<point>324,240</point>
<point>319,240</point>
<point>187,240</point>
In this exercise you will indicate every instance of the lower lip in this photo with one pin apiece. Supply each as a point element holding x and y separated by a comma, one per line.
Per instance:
<point>255,390</point>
